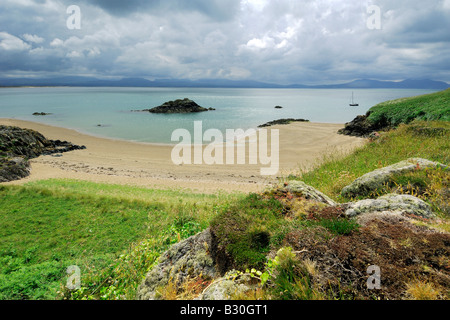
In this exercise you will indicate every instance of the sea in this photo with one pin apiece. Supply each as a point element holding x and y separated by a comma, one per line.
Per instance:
<point>110,112</point>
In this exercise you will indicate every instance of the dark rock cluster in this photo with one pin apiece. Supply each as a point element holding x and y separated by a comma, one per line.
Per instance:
<point>281,121</point>
<point>18,145</point>
<point>179,106</point>
<point>362,127</point>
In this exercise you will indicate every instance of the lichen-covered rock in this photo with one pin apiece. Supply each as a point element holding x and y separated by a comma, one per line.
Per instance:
<point>225,288</point>
<point>189,258</point>
<point>392,203</point>
<point>300,188</point>
<point>375,179</point>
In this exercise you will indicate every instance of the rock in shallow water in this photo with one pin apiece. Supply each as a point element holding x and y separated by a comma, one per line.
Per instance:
<point>179,106</point>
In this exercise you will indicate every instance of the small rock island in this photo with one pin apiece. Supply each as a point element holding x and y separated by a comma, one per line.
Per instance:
<point>281,121</point>
<point>41,114</point>
<point>179,106</point>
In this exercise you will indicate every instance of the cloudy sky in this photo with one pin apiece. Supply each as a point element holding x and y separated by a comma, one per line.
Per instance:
<point>282,41</point>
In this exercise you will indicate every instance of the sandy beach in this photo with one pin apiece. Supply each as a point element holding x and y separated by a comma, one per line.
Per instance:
<point>301,145</point>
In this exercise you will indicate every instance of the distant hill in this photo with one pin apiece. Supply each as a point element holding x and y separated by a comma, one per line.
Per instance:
<point>405,84</point>
<point>215,83</point>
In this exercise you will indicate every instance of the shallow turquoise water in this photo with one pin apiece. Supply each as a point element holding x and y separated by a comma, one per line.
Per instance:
<point>84,109</point>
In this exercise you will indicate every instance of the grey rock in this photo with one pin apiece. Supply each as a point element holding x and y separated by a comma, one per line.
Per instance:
<point>225,288</point>
<point>189,258</point>
<point>375,179</point>
<point>391,203</point>
<point>300,188</point>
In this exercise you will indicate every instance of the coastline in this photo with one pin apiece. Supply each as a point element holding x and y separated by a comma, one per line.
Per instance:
<point>114,161</point>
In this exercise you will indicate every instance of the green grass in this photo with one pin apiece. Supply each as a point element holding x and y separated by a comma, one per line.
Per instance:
<point>435,106</point>
<point>336,226</point>
<point>338,171</point>
<point>113,233</point>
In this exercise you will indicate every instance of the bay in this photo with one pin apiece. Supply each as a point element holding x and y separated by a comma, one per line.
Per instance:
<point>107,112</point>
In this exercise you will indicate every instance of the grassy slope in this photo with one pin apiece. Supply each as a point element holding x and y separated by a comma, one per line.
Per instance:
<point>435,106</point>
<point>49,225</point>
<point>400,144</point>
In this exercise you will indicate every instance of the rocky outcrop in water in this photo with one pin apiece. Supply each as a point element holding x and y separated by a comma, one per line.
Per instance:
<point>179,106</point>
<point>18,145</point>
<point>281,121</point>
<point>41,114</point>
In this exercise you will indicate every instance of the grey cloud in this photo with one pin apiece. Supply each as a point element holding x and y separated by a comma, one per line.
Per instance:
<point>216,9</point>
<point>286,41</point>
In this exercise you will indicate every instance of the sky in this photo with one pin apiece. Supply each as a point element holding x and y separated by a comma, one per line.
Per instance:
<point>282,41</point>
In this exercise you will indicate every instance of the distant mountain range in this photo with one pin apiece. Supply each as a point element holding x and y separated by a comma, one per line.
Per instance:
<point>215,83</point>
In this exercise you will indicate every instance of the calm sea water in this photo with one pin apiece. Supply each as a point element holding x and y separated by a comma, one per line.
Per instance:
<point>83,109</point>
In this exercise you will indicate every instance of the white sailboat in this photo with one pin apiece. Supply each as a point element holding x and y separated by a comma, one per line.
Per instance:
<point>353,104</point>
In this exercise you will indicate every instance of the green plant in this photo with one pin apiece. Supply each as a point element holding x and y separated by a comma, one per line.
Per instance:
<point>288,278</point>
<point>245,230</point>
<point>339,226</point>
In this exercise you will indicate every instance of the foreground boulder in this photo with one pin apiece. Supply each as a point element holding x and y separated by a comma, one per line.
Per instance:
<point>301,189</point>
<point>375,179</point>
<point>178,106</point>
<point>391,203</point>
<point>228,287</point>
<point>186,260</point>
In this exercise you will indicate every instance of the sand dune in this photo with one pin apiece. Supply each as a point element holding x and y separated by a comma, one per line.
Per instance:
<point>123,162</point>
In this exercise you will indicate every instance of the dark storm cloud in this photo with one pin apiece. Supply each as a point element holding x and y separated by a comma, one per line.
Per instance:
<point>215,9</point>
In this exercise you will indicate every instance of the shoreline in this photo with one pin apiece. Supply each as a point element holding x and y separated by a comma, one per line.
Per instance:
<point>116,161</point>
